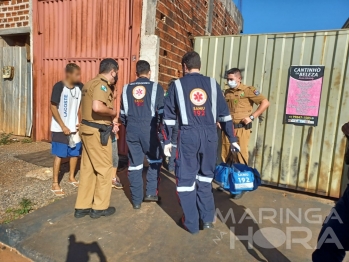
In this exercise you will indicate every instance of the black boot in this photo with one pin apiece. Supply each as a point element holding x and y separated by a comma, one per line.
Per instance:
<point>150,198</point>
<point>106,212</point>
<point>237,196</point>
<point>79,213</point>
<point>207,225</point>
<point>136,206</point>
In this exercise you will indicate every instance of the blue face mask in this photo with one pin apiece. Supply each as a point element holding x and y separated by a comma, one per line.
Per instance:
<point>232,83</point>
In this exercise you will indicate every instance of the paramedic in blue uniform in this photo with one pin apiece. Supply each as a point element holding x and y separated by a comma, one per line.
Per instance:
<point>200,105</point>
<point>174,138</point>
<point>141,113</point>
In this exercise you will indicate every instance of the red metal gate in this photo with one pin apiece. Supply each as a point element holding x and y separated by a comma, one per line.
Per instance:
<point>83,32</point>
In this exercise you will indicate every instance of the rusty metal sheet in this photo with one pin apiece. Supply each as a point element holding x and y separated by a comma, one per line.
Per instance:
<point>15,93</point>
<point>83,32</point>
<point>303,158</point>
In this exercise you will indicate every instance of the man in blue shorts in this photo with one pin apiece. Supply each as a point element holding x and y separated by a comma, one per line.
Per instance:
<point>66,143</point>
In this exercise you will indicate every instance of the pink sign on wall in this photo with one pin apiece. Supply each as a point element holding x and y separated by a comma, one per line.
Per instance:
<point>304,95</point>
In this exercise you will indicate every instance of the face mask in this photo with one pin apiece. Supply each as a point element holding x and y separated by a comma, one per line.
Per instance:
<point>116,77</point>
<point>232,83</point>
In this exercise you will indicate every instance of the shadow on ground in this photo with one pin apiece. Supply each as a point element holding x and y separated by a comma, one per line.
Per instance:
<point>42,158</point>
<point>152,234</point>
<point>80,251</point>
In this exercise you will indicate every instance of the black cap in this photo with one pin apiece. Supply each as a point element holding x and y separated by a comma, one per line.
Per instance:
<point>111,61</point>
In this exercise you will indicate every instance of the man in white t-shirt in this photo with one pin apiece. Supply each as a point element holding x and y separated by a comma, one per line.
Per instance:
<point>65,105</point>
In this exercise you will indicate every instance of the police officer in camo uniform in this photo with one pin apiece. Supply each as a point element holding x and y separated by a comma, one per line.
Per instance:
<point>240,99</point>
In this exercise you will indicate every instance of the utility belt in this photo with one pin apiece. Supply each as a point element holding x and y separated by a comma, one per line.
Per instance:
<point>104,130</point>
<point>240,125</point>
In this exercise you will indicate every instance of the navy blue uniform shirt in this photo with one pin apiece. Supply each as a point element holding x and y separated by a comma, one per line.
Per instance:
<point>142,102</point>
<point>199,102</point>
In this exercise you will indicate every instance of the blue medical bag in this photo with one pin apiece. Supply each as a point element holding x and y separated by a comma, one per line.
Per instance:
<point>243,178</point>
<point>237,177</point>
<point>221,175</point>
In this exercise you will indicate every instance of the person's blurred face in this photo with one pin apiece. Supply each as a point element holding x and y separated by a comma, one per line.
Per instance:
<point>75,76</point>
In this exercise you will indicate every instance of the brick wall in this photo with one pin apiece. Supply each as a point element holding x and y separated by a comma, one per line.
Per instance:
<point>177,22</point>
<point>222,22</point>
<point>14,13</point>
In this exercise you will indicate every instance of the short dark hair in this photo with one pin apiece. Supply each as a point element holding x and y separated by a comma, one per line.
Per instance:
<point>142,67</point>
<point>172,81</point>
<point>107,65</point>
<point>192,60</point>
<point>234,71</point>
<point>71,67</point>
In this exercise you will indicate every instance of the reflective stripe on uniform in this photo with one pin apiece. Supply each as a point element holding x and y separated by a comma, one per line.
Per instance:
<point>174,145</point>
<point>214,98</point>
<point>153,98</point>
<point>122,112</point>
<point>181,100</point>
<point>204,179</point>
<point>154,161</point>
<point>124,99</point>
<point>169,122</point>
<point>130,168</point>
<point>186,188</point>
<point>224,118</point>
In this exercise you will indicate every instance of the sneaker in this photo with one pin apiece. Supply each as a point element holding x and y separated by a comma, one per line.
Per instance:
<point>116,184</point>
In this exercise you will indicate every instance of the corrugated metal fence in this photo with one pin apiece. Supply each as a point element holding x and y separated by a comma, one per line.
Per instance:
<point>15,94</point>
<point>304,158</point>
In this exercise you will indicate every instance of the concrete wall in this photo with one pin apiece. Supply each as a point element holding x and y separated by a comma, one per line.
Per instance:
<point>149,50</point>
<point>168,28</point>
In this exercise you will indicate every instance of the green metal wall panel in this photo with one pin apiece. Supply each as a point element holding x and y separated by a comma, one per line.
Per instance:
<point>303,158</point>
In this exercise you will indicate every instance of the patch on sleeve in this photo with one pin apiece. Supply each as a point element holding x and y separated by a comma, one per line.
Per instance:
<point>256,92</point>
<point>104,88</point>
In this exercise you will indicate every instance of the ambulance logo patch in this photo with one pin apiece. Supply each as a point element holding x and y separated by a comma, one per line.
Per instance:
<point>198,96</point>
<point>104,88</point>
<point>139,92</point>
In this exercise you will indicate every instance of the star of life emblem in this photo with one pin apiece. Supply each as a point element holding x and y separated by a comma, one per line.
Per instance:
<point>139,92</point>
<point>198,96</point>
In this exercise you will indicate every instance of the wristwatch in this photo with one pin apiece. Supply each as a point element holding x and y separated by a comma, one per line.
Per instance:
<point>252,117</point>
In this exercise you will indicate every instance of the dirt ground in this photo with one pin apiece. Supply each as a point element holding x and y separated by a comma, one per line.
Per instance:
<point>15,184</point>
<point>8,254</point>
